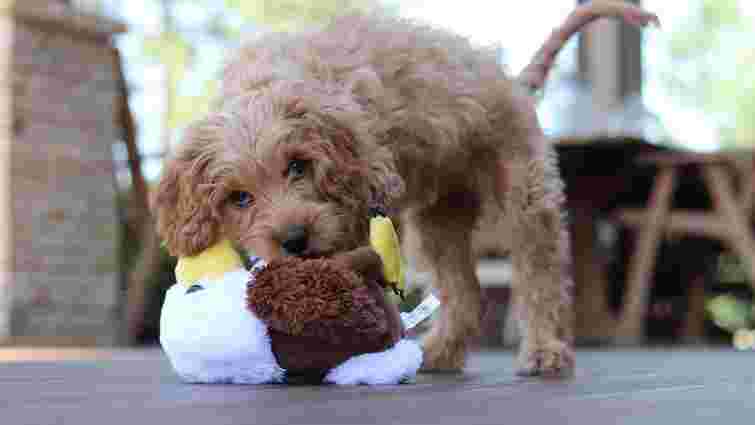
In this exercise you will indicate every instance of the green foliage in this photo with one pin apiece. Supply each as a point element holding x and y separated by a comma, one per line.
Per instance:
<point>730,313</point>
<point>701,33</point>
<point>175,46</point>
<point>731,270</point>
<point>713,60</point>
<point>287,14</point>
<point>174,51</point>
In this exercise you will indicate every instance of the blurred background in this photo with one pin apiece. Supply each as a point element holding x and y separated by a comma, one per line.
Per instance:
<point>97,92</point>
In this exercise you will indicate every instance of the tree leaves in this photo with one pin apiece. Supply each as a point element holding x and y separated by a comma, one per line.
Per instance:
<point>730,313</point>
<point>285,15</point>
<point>178,42</point>
<point>712,67</point>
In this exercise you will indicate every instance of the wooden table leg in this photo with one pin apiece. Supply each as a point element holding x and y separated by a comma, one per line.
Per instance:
<point>642,263</point>
<point>747,190</point>
<point>694,320</point>
<point>594,322</point>
<point>740,235</point>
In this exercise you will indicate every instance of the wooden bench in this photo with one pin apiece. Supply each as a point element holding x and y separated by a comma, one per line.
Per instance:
<point>728,221</point>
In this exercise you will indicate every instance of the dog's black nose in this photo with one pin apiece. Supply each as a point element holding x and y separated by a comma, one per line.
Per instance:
<point>295,240</point>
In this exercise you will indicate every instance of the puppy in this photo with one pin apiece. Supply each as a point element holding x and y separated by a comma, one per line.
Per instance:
<point>314,131</point>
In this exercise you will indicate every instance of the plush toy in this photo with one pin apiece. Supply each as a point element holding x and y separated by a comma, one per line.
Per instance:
<point>292,318</point>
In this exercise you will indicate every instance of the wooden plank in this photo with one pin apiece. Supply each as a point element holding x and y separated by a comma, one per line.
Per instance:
<point>595,322</point>
<point>680,222</point>
<point>694,319</point>
<point>746,171</point>
<point>628,387</point>
<point>677,159</point>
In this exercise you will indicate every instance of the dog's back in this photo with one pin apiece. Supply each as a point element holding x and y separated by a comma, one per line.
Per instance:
<point>394,50</point>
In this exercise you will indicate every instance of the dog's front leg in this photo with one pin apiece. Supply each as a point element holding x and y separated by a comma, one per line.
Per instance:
<point>444,232</point>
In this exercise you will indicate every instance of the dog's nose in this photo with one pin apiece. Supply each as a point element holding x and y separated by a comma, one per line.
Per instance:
<point>295,240</point>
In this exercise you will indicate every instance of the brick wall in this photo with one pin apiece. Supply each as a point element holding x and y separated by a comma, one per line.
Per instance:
<point>64,272</point>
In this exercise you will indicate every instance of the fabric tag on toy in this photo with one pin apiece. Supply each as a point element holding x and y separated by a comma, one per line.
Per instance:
<point>256,265</point>
<point>426,308</point>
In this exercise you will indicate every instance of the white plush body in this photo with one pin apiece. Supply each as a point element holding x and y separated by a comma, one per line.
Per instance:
<point>211,337</point>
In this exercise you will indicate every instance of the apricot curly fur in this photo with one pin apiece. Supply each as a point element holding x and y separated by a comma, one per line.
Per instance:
<point>385,112</point>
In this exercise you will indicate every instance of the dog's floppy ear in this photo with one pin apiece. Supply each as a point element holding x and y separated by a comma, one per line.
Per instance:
<point>362,170</point>
<point>369,168</point>
<point>187,220</point>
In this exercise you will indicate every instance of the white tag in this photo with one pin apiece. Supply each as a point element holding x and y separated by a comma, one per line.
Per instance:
<point>421,312</point>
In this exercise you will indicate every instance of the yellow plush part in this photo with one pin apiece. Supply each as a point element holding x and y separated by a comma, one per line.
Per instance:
<point>384,241</point>
<point>210,264</point>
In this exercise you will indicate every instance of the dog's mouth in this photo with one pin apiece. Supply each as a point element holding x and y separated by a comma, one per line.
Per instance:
<point>312,255</point>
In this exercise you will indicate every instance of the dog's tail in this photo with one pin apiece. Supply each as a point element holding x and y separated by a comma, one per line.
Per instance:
<point>535,73</point>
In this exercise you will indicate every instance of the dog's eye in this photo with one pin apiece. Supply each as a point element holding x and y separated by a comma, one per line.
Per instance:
<point>241,199</point>
<point>296,168</point>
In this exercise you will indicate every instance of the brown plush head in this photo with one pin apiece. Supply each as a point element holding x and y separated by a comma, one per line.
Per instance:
<point>320,313</point>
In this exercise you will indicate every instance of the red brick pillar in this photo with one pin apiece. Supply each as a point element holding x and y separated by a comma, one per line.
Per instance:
<point>57,194</point>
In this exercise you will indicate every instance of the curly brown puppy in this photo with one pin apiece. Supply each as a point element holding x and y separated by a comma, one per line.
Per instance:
<point>314,130</point>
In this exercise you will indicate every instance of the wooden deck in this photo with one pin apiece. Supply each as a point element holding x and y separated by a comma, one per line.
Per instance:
<point>623,387</point>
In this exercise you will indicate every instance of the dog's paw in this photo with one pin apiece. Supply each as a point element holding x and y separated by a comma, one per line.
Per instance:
<point>442,356</point>
<point>551,360</point>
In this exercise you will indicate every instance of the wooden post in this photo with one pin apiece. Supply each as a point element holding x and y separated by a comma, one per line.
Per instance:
<point>7,266</point>
<point>594,321</point>
<point>694,321</point>
<point>747,188</point>
<point>610,58</point>
<point>629,330</point>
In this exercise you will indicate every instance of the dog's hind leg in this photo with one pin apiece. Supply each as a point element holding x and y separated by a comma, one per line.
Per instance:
<point>531,187</point>
<point>540,258</point>
<point>444,233</point>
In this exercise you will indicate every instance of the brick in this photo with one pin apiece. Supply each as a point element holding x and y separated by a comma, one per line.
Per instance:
<point>58,321</point>
<point>45,140</point>
<point>61,55</point>
<point>64,269</point>
<point>61,167</point>
<point>78,103</point>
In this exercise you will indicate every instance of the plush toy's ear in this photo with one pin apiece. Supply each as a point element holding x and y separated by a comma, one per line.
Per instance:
<point>184,201</point>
